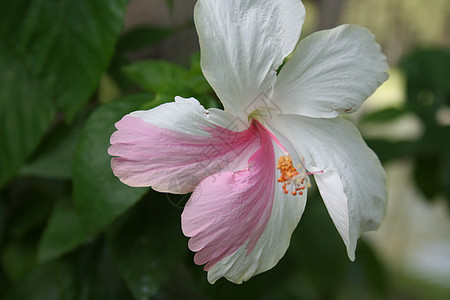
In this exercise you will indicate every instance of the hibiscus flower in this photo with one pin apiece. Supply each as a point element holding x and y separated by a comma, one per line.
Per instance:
<point>249,166</point>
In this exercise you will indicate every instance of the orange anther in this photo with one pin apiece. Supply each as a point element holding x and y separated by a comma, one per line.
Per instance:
<point>290,175</point>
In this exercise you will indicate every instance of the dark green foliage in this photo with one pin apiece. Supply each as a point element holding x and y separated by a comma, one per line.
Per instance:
<point>52,54</point>
<point>168,80</point>
<point>25,113</point>
<point>146,245</point>
<point>428,91</point>
<point>98,195</point>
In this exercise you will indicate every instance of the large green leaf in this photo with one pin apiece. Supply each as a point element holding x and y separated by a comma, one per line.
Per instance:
<point>63,232</point>
<point>53,158</point>
<point>38,284</point>
<point>18,257</point>
<point>28,204</point>
<point>88,273</point>
<point>67,44</point>
<point>50,52</point>
<point>147,245</point>
<point>168,80</point>
<point>154,75</point>
<point>143,36</point>
<point>99,196</point>
<point>25,112</point>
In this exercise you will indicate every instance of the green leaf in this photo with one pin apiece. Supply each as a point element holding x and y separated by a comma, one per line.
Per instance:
<point>168,80</point>
<point>89,273</point>
<point>143,36</point>
<point>66,44</point>
<point>367,274</point>
<point>388,151</point>
<point>132,40</point>
<point>63,232</point>
<point>427,78</point>
<point>38,284</point>
<point>147,245</point>
<point>99,277</point>
<point>18,258</point>
<point>99,196</point>
<point>318,250</point>
<point>385,115</point>
<point>30,203</point>
<point>53,159</point>
<point>2,220</point>
<point>428,174</point>
<point>155,76</point>
<point>50,52</point>
<point>25,112</point>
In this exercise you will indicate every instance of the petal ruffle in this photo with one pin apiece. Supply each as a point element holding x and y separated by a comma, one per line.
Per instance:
<point>331,72</point>
<point>246,230</point>
<point>242,45</point>
<point>353,182</point>
<point>175,145</point>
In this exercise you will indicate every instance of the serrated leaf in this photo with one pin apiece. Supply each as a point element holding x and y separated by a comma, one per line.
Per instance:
<point>98,195</point>
<point>147,245</point>
<point>63,232</point>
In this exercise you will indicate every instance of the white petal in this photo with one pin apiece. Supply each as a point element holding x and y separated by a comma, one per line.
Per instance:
<point>175,145</point>
<point>186,115</point>
<point>353,182</point>
<point>242,45</point>
<point>272,244</point>
<point>331,72</point>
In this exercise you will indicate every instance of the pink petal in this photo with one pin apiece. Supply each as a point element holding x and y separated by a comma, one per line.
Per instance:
<point>230,209</point>
<point>173,161</point>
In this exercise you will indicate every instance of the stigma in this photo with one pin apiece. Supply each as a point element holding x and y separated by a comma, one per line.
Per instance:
<point>294,181</point>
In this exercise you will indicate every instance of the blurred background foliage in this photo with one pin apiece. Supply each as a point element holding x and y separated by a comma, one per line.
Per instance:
<point>70,230</point>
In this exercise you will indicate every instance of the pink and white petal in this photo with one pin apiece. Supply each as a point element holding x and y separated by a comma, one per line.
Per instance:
<point>353,182</point>
<point>331,72</point>
<point>175,145</point>
<point>242,45</point>
<point>270,247</point>
<point>246,230</point>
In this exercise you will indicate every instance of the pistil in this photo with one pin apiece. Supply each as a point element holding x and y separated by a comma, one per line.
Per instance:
<point>294,181</point>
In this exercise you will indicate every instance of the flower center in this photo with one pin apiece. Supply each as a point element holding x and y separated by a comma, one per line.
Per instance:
<point>292,179</point>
